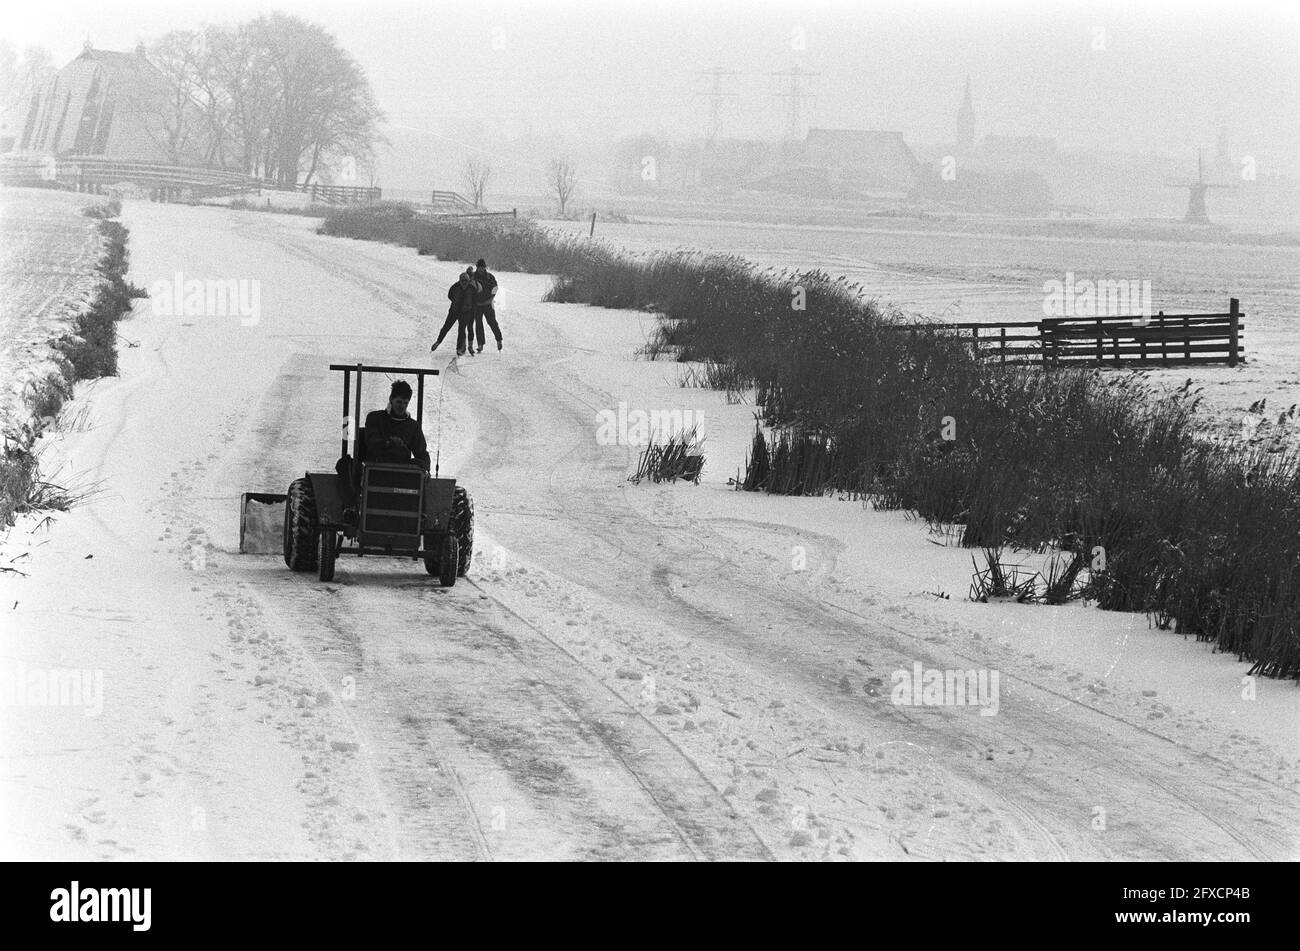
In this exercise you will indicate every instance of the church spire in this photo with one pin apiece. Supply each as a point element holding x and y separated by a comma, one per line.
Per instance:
<point>966,121</point>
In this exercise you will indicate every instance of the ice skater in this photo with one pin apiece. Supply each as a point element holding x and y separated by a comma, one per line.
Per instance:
<point>483,304</point>
<point>462,295</point>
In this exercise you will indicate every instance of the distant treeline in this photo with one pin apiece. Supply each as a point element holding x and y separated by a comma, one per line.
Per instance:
<point>1094,465</point>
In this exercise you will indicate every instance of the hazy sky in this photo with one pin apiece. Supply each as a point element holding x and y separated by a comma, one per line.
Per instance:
<point>1135,75</point>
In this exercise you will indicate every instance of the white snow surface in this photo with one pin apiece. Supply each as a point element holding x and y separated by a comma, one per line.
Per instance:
<point>48,252</point>
<point>628,672</point>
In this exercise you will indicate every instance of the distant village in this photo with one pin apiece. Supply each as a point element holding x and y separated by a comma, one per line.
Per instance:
<point>104,103</point>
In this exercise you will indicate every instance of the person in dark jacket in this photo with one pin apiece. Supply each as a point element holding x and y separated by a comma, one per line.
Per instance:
<point>393,435</point>
<point>483,304</point>
<point>461,312</point>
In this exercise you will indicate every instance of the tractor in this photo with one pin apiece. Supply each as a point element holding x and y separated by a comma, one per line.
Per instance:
<point>401,510</point>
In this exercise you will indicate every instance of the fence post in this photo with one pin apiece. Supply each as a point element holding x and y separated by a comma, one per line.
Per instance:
<point>1187,339</point>
<point>1164,338</point>
<point>1002,348</point>
<point>1101,337</point>
<point>1234,312</point>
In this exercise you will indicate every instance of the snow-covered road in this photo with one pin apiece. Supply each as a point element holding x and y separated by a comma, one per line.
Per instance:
<point>629,672</point>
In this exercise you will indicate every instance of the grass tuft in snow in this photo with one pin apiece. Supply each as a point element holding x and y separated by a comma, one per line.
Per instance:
<point>997,581</point>
<point>680,456</point>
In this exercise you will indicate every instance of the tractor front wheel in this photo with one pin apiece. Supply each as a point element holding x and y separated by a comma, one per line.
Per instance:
<point>300,527</point>
<point>462,524</point>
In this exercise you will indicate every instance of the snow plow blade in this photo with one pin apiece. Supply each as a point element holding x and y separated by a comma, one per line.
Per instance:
<point>261,523</point>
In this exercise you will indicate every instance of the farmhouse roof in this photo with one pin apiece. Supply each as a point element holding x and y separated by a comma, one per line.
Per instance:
<point>876,158</point>
<point>95,105</point>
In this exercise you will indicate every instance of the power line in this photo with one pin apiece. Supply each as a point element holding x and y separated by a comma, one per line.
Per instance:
<point>796,95</point>
<point>716,96</point>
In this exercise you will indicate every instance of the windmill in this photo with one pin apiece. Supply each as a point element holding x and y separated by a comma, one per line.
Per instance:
<point>1196,190</point>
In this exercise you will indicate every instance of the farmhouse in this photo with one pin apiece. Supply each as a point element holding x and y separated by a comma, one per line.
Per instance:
<point>847,163</point>
<point>110,104</point>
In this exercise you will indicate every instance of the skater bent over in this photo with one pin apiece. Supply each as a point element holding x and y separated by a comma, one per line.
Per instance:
<point>461,312</point>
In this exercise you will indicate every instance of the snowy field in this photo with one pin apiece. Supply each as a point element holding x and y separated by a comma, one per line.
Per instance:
<point>48,251</point>
<point>630,672</point>
<point>962,277</point>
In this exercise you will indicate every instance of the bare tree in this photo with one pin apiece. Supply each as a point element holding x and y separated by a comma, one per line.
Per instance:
<point>21,78</point>
<point>217,100</point>
<point>563,181</point>
<point>322,107</point>
<point>238,68</point>
<point>21,75</point>
<point>475,175</point>
<point>166,95</point>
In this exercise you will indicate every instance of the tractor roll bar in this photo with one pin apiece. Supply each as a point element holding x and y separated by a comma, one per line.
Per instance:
<point>419,371</point>
<point>348,369</point>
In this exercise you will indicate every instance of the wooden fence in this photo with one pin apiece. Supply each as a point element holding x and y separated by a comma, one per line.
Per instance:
<point>1127,341</point>
<point>331,194</point>
<point>455,199</point>
<point>447,204</point>
<point>434,212</point>
<point>96,174</point>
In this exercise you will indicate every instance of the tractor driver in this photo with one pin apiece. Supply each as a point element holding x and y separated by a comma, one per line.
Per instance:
<point>392,435</point>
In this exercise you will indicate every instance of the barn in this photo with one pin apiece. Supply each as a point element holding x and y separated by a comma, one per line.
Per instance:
<point>109,104</point>
<point>846,163</point>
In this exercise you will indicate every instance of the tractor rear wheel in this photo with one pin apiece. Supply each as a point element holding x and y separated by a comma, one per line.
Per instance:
<point>300,527</point>
<point>329,544</point>
<point>448,560</point>
<point>462,526</point>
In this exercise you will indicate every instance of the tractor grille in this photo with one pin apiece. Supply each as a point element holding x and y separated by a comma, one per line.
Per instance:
<point>391,500</point>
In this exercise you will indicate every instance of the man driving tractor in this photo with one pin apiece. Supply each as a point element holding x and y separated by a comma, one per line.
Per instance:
<point>392,435</point>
